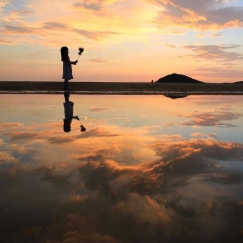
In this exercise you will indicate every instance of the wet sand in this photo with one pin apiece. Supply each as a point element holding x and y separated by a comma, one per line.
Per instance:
<point>121,88</point>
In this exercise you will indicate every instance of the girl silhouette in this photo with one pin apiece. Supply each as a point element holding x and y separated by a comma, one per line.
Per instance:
<point>67,67</point>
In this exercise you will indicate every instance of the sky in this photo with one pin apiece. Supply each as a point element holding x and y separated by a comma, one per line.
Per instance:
<point>124,41</point>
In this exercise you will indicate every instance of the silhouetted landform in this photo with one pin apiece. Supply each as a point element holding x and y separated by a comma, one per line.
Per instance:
<point>177,78</point>
<point>175,96</point>
<point>239,82</point>
<point>121,88</point>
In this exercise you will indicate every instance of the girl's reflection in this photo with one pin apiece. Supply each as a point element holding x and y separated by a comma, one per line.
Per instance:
<point>68,112</point>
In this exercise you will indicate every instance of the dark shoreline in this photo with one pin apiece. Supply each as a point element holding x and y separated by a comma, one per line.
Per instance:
<point>23,87</point>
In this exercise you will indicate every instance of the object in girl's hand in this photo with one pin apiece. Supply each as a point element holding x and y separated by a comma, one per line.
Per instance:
<point>81,49</point>
<point>83,129</point>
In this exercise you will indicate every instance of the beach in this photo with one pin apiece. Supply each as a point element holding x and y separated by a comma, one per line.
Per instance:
<point>122,88</point>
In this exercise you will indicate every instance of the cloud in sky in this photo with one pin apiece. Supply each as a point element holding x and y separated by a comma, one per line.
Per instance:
<point>218,53</point>
<point>97,60</point>
<point>3,3</point>
<point>17,16</point>
<point>182,13</point>
<point>204,15</point>
<point>87,4</point>
<point>213,53</point>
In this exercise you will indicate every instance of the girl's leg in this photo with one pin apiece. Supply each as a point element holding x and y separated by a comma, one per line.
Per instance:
<point>65,82</point>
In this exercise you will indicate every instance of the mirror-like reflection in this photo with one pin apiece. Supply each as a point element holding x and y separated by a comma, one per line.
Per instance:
<point>148,169</point>
<point>68,112</point>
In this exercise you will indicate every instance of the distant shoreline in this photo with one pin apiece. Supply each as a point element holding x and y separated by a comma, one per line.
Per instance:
<point>120,88</point>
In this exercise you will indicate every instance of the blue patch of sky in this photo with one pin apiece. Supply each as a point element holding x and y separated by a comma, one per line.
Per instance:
<point>232,36</point>
<point>14,5</point>
<point>226,37</point>
<point>235,3</point>
<point>9,7</point>
<point>17,4</point>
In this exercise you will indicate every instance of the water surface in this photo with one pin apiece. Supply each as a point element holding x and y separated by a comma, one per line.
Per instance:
<point>147,169</point>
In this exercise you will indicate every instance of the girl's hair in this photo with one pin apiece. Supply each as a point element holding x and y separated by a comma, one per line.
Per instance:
<point>63,52</point>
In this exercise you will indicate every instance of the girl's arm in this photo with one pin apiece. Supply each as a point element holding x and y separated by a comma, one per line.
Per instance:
<point>66,59</point>
<point>74,63</point>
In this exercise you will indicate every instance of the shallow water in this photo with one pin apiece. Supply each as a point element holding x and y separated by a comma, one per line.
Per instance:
<point>147,169</point>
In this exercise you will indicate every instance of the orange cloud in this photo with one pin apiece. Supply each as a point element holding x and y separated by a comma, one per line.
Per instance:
<point>213,52</point>
<point>199,15</point>
<point>94,184</point>
<point>211,118</point>
<point>91,4</point>
<point>17,15</point>
<point>7,158</point>
<point>97,60</point>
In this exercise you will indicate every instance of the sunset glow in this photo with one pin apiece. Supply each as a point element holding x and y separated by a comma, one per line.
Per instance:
<point>124,41</point>
<point>167,173</point>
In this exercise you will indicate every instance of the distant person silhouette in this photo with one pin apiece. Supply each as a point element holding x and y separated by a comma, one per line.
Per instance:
<point>68,112</point>
<point>67,67</point>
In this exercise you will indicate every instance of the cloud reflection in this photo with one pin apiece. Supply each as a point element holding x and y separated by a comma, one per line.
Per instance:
<point>120,184</point>
<point>211,118</point>
<point>102,195</point>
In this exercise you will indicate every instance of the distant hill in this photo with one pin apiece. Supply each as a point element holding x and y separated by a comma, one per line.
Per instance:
<point>177,78</point>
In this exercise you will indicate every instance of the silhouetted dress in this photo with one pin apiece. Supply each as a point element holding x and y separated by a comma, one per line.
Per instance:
<point>67,68</point>
<point>68,110</point>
